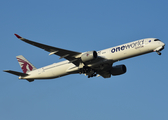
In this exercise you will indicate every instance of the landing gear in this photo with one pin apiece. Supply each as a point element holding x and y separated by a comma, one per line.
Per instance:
<point>92,75</point>
<point>158,52</point>
<point>88,71</point>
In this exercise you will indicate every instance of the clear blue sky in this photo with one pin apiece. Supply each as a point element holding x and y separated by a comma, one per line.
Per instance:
<point>83,25</point>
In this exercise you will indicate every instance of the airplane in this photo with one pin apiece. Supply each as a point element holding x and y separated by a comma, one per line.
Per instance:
<point>90,63</point>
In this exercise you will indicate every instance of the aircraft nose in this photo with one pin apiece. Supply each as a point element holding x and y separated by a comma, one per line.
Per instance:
<point>163,44</point>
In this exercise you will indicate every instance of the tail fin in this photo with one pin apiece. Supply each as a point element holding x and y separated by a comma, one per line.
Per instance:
<point>25,64</point>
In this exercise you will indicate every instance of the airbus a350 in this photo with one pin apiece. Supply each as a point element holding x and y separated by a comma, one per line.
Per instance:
<point>90,63</point>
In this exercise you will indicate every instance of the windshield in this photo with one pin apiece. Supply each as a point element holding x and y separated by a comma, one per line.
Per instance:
<point>156,40</point>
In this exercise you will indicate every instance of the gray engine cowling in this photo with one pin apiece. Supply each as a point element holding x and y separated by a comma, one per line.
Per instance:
<point>88,56</point>
<point>118,70</point>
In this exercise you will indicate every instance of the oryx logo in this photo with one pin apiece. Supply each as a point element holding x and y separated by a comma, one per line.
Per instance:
<point>25,65</point>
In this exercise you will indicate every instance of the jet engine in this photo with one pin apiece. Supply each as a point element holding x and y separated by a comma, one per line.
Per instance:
<point>88,56</point>
<point>118,70</point>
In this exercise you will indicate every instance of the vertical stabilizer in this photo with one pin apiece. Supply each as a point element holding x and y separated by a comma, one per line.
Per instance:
<point>25,64</point>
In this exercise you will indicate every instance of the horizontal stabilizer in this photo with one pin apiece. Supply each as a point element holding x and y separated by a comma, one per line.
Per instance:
<point>16,73</point>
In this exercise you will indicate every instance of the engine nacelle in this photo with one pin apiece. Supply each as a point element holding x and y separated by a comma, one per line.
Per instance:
<point>88,56</point>
<point>118,70</point>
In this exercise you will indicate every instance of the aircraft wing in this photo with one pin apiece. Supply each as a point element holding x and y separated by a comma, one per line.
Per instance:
<point>67,54</point>
<point>105,72</point>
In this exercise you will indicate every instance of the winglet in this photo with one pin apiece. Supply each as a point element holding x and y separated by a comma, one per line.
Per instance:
<point>17,36</point>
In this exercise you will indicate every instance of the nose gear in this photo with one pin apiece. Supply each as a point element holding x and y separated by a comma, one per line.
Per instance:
<point>158,52</point>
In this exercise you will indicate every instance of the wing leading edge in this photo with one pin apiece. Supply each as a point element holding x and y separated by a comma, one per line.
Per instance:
<point>67,54</point>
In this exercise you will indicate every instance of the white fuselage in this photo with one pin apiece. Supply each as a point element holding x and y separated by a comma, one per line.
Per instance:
<point>113,54</point>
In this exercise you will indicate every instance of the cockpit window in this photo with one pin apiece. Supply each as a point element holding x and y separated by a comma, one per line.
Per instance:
<point>156,40</point>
